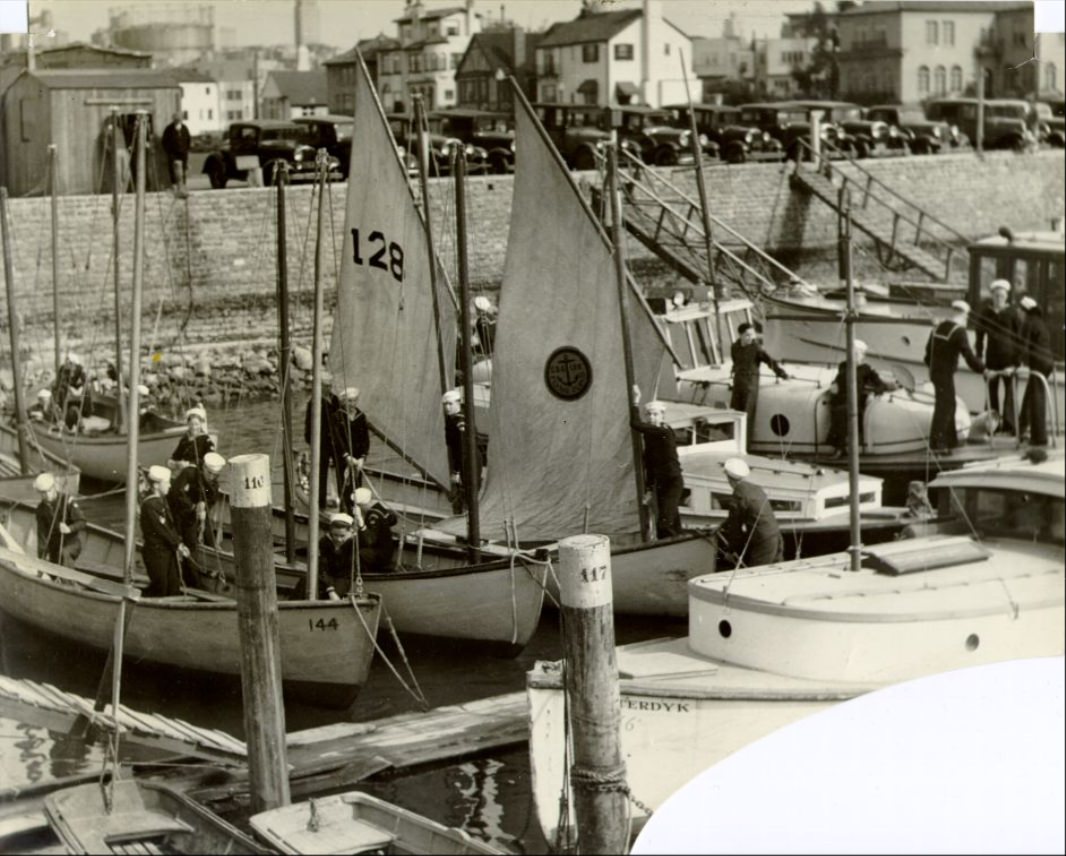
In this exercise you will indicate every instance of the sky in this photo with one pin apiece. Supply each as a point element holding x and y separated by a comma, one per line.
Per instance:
<point>343,22</point>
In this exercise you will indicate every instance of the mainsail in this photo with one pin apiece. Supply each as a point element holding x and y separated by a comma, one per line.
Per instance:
<point>385,337</point>
<point>560,453</point>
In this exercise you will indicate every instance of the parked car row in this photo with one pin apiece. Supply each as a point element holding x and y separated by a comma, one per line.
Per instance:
<point>662,137</point>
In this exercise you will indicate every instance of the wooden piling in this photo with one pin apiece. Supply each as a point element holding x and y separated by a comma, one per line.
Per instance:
<point>257,616</point>
<point>597,773</point>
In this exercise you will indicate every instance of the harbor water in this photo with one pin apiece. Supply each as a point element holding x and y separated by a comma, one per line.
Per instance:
<point>489,796</point>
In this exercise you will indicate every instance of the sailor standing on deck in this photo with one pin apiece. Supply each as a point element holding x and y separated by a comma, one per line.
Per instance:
<point>351,443</point>
<point>662,469</point>
<point>1040,360</point>
<point>947,341</point>
<point>59,523</point>
<point>454,440</point>
<point>750,531</point>
<point>192,495</point>
<point>867,380</point>
<point>747,353</point>
<point>999,323</point>
<point>162,548</point>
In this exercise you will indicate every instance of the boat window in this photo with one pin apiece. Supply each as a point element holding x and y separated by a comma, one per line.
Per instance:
<point>986,272</point>
<point>786,505</point>
<point>841,501</point>
<point>684,436</point>
<point>1013,514</point>
<point>707,432</point>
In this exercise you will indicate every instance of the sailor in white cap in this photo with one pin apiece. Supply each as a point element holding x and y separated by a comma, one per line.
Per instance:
<point>42,410</point>
<point>374,524</point>
<point>69,392</point>
<point>336,560</point>
<point>163,548</point>
<point>350,436</point>
<point>195,442</point>
<point>60,523</point>
<point>662,469</point>
<point>454,441</point>
<point>1040,359</point>
<point>867,380</point>
<point>750,532</point>
<point>485,325</point>
<point>193,495</point>
<point>947,341</point>
<point>999,345</point>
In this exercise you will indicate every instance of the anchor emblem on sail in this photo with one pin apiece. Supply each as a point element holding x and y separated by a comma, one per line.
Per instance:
<point>568,373</point>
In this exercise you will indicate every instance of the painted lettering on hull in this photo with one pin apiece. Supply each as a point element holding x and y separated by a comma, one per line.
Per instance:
<point>655,706</point>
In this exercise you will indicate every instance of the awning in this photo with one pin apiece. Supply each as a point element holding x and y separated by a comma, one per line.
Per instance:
<point>589,87</point>
<point>626,89</point>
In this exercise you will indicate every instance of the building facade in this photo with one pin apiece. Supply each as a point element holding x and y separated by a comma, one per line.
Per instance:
<point>491,58</point>
<point>340,72</point>
<point>1009,52</point>
<point>621,57</point>
<point>290,94</point>
<point>777,60</point>
<point>200,101</point>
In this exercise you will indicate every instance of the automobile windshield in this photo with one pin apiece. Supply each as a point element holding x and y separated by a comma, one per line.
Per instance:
<point>1006,111</point>
<point>846,114</point>
<point>343,130</point>
<point>294,134</point>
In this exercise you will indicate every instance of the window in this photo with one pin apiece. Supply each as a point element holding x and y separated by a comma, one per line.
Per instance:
<point>947,28</point>
<point>449,94</point>
<point>940,80</point>
<point>1050,77</point>
<point>931,33</point>
<point>923,80</point>
<point>185,115</point>
<point>210,114</point>
<point>590,53</point>
<point>666,49</point>
<point>623,51</point>
<point>956,79</point>
<point>453,28</point>
<point>207,90</point>
<point>456,58</point>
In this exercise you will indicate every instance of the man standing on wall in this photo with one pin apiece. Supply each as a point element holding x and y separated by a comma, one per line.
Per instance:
<point>176,144</point>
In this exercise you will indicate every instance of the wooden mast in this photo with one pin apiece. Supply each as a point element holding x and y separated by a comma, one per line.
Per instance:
<point>627,345</point>
<point>285,353</point>
<point>52,163</point>
<point>844,224</point>
<point>116,141</point>
<point>13,330</point>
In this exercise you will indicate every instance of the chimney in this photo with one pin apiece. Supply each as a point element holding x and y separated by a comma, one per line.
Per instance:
<point>468,16</point>
<point>297,24</point>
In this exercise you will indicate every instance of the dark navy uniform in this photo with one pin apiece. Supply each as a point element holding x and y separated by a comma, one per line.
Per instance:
<point>161,540</point>
<point>867,380</point>
<point>70,394</point>
<point>751,529</point>
<point>1001,329</point>
<point>1038,356</point>
<point>745,395</point>
<point>942,351</point>
<point>192,449</point>
<point>336,566</point>
<point>189,487</point>
<point>52,544</point>
<point>455,441</point>
<point>350,436</point>
<point>663,475</point>
<point>376,547</point>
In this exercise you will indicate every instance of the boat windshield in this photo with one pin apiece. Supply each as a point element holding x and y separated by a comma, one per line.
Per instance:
<point>1012,514</point>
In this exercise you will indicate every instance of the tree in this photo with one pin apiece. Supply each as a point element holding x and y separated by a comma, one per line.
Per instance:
<point>820,77</point>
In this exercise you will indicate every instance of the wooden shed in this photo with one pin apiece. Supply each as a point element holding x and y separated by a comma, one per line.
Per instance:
<point>71,108</point>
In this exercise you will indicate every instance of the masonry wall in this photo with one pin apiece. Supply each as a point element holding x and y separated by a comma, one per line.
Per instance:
<point>210,262</point>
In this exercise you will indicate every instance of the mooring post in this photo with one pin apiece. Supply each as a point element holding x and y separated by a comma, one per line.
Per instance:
<point>598,773</point>
<point>257,618</point>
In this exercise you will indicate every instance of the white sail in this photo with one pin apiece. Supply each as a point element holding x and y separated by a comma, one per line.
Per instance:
<point>385,338</point>
<point>560,456</point>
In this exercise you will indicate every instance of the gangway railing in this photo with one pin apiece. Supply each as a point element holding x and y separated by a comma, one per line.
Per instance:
<point>1051,407</point>
<point>869,188</point>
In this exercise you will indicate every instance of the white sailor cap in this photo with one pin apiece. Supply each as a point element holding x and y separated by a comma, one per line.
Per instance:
<point>74,358</point>
<point>157,473</point>
<point>655,407</point>
<point>1027,303</point>
<point>452,396</point>
<point>214,462</point>
<point>143,390</point>
<point>351,393</point>
<point>341,519</point>
<point>736,468</point>
<point>196,411</point>
<point>960,306</point>
<point>482,303</point>
<point>1000,285</point>
<point>860,345</point>
<point>44,482</point>
<point>44,394</point>
<point>363,496</point>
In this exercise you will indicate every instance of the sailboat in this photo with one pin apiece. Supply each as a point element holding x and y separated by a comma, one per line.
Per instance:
<point>326,646</point>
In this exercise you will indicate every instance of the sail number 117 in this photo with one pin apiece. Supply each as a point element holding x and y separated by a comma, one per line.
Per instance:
<point>386,255</point>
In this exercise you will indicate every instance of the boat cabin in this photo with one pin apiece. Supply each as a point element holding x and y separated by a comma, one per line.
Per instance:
<point>1033,263</point>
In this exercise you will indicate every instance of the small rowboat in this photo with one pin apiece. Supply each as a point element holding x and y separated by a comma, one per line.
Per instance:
<point>15,485</point>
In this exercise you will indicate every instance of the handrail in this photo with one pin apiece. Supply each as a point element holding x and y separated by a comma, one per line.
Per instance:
<point>923,215</point>
<point>1051,410</point>
<point>640,167</point>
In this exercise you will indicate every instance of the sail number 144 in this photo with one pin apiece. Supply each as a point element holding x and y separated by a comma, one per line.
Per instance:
<point>384,254</point>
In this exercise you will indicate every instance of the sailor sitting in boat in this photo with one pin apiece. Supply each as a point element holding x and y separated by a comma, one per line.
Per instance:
<point>750,532</point>
<point>59,523</point>
<point>71,391</point>
<point>44,410</point>
<point>373,533</point>
<point>336,561</point>
<point>867,380</point>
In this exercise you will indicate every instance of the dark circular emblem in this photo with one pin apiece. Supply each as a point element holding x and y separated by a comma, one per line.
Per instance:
<point>568,373</point>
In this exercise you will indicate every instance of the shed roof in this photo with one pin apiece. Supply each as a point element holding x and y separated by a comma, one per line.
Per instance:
<point>301,87</point>
<point>598,27</point>
<point>88,46</point>
<point>368,47</point>
<point>431,14</point>
<point>125,78</point>
<point>881,6</point>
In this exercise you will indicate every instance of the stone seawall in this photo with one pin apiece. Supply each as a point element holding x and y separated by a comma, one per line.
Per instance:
<point>210,261</point>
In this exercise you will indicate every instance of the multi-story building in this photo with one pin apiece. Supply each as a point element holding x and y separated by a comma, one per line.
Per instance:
<point>432,41</point>
<point>777,60</point>
<point>912,50</point>
<point>199,101</point>
<point>236,88</point>
<point>289,94</point>
<point>619,56</point>
<point>492,57</point>
<point>722,63</point>
<point>340,71</point>
<point>1007,56</point>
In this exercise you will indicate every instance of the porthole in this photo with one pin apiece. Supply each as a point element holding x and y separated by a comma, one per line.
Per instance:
<point>972,642</point>
<point>725,629</point>
<point>779,424</point>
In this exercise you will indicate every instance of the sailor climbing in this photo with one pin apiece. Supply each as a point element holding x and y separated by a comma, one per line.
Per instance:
<point>750,532</point>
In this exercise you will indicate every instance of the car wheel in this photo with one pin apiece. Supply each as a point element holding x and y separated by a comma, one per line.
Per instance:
<point>584,159</point>
<point>666,156</point>
<point>736,155</point>
<point>497,164</point>
<point>792,153</point>
<point>216,174</point>
<point>862,149</point>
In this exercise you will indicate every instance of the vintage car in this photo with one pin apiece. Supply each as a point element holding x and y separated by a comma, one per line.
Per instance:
<point>261,144</point>
<point>788,123</point>
<point>729,138</point>
<point>580,132</point>
<point>1005,124</point>
<point>652,131</point>
<point>332,133</point>
<point>485,129</point>
<point>915,133</point>
<point>858,136</point>
<point>442,147</point>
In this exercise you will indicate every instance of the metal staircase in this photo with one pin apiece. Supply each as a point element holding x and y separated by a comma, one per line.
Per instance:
<point>669,222</point>
<point>906,235</point>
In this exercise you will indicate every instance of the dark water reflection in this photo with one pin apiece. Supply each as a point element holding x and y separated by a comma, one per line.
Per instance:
<point>488,796</point>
